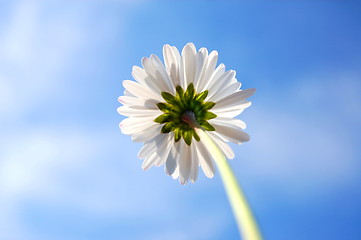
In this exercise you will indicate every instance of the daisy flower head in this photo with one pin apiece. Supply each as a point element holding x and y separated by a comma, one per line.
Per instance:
<point>170,103</point>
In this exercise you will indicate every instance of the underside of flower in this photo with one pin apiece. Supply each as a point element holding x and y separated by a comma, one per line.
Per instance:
<point>184,112</point>
<point>188,96</point>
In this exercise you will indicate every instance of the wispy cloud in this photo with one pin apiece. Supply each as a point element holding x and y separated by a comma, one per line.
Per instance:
<point>34,54</point>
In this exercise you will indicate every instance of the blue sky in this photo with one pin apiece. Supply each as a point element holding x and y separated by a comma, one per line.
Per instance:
<point>66,171</point>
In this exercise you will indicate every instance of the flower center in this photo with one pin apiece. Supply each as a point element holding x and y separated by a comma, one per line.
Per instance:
<point>184,112</point>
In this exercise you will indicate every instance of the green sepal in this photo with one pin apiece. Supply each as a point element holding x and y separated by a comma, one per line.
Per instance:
<point>187,135</point>
<point>169,98</point>
<point>177,134</point>
<point>168,127</point>
<point>201,96</point>
<point>197,109</point>
<point>162,118</point>
<point>208,105</point>
<point>195,135</point>
<point>173,108</point>
<point>209,115</point>
<point>165,107</point>
<point>189,94</point>
<point>207,126</point>
<point>180,91</point>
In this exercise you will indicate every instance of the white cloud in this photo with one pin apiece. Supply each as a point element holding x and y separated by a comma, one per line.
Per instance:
<point>33,54</point>
<point>69,168</point>
<point>33,166</point>
<point>36,166</point>
<point>31,160</point>
<point>40,45</point>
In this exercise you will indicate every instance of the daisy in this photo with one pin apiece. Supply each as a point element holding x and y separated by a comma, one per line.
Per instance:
<point>173,106</point>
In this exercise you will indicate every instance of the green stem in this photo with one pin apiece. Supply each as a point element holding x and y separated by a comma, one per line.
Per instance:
<point>242,212</point>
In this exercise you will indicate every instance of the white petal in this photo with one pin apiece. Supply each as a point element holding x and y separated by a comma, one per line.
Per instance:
<point>201,60</point>
<point>195,165</point>
<point>171,60</point>
<point>185,162</point>
<point>231,133</point>
<point>171,163</point>
<point>235,99</point>
<point>127,93</point>
<point>139,75</point>
<point>140,91</point>
<point>189,63</point>
<point>150,146</point>
<point>175,174</point>
<point>221,83</point>
<point>205,159</point>
<point>140,103</point>
<point>150,161</point>
<point>128,122</point>
<point>132,112</point>
<point>208,70</point>
<point>154,74</point>
<point>228,122</point>
<point>162,71</point>
<point>234,87</point>
<point>182,81</point>
<point>178,57</point>
<point>156,151</point>
<point>231,111</point>
<point>142,77</point>
<point>147,135</point>
<point>164,148</point>
<point>217,73</point>
<point>137,125</point>
<point>225,148</point>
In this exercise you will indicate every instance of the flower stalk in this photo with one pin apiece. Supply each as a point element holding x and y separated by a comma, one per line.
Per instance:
<point>246,222</point>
